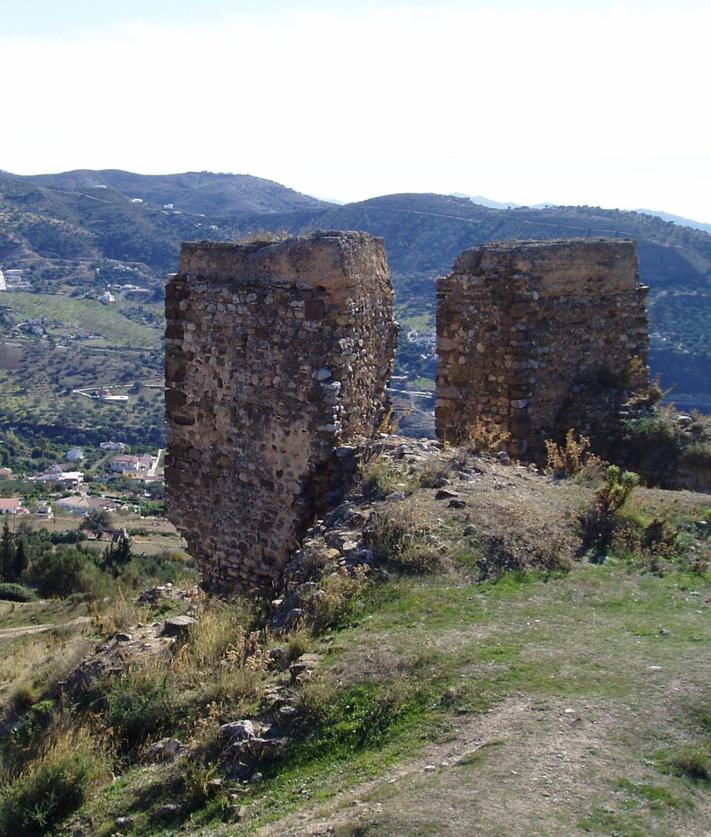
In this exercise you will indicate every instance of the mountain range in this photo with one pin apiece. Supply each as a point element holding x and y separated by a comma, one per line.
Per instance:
<point>78,229</point>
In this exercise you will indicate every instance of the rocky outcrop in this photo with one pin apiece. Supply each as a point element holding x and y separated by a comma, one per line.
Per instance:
<point>277,356</point>
<point>527,329</point>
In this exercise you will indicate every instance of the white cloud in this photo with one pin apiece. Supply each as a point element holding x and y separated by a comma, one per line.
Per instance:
<point>603,105</point>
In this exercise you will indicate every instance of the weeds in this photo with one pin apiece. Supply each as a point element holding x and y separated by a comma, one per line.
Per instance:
<point>55,785</point>
<point>336,600</point>
<point>487,437</point>
<point>571,457</point>
<point>381,477</point>
<point>396,535</point>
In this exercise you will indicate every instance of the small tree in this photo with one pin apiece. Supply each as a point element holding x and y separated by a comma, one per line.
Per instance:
<point>598,522</point>
<point>97,520</point>
<point>21,562</point>
<point>117,555</point>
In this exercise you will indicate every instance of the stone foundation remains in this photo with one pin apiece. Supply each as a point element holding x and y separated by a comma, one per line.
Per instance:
<point>527,329</point>
<point>277,355</point>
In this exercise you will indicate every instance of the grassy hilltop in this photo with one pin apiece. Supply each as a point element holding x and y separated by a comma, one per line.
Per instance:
<point>474,664</point>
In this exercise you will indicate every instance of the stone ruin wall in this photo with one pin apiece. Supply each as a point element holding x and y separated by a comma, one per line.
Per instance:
<point>521,326</point>
<point>277,355</point>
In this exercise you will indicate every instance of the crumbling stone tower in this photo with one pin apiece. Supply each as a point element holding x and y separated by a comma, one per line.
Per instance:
<point>277,355</point>
<point>523,327</point>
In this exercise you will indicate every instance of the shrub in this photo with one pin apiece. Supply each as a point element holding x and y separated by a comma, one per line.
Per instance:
<point>433,474</point>
<point>297,644</point>
<point>223,659</point>
<point>52,787</point>
<point>486,437</point>
<point>652,446</point>
<point>16,593</point>
<point>139,704</point>
<point>503,555</point>
<point>599,521</point>
<point>61,571</point>
<point>692,761</point>
<point>200,783</point>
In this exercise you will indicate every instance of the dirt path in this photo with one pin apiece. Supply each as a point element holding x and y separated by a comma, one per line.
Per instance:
<point>529,767</point>
<point>27,630</point>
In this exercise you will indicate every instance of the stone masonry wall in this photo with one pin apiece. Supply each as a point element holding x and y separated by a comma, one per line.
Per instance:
<point>523,327</point>
<point>277,355</point>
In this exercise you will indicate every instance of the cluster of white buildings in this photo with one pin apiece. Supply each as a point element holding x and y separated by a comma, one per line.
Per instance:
<point>13,280</point>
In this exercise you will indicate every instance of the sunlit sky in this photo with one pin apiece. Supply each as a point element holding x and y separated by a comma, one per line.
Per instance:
<point>591,102</point>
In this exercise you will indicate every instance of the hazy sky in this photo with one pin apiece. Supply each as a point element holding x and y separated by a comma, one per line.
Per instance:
<point>599,102</point>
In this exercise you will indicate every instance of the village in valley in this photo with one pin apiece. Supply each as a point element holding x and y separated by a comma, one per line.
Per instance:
<point>108,478</point>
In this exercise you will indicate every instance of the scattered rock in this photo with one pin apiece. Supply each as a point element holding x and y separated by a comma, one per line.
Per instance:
<point>446,494</point>
<point>123,637</point>
<point>178,626</point>
<point>279,657</point>
<point>167,810</point>
<point>256,778</point>
<point>165,750</point>
<point>503,457</point>
<point>664,632</point>
<point>124,822</point>
<point>293,617</point>
<point>238,731</point>
<point>457,504</point>
<point>287,714</point>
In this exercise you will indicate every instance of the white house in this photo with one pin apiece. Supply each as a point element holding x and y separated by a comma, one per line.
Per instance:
<point>112,446</point>
<point>69,478</point>
<point>131,462</point>
<point>10,505</point>
<point>75,455</point>
<point>82,504</point>
<point>107,297</point>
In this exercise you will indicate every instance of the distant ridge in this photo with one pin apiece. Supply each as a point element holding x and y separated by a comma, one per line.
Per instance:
<point>203,191</point>
<point>78,230</point>
<point>677,219</point>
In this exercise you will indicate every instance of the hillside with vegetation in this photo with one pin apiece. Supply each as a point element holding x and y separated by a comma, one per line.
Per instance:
<point>80,231</point>
<point>462,642</point>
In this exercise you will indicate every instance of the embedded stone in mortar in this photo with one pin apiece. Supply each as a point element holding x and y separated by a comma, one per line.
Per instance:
<point>522,325</point>
<point>276,354</point>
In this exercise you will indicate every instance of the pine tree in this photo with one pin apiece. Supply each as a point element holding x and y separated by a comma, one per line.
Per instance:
<point>7,554</point>
<point>21,562</point>
<point>115,557</point>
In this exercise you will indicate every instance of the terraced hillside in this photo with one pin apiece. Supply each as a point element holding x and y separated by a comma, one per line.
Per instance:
<point>82,230</point>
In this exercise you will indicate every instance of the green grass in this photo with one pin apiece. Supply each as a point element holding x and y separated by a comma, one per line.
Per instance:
<point>86,314</point>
